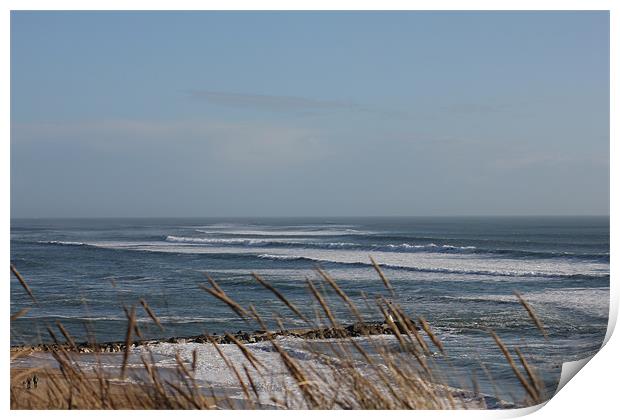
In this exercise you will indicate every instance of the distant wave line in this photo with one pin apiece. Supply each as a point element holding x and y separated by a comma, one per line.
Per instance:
<point>505,273</point>
<point>408,247</point>
<point>404,247</point>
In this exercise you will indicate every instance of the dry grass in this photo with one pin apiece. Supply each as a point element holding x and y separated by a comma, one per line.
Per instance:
<point>352,376</point>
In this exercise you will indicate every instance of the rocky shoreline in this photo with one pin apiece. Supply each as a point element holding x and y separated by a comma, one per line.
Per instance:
<point>353,330</point>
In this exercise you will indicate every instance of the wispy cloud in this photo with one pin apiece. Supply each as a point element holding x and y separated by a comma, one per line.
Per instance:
<point>530,161</point>
<point>284,103</point>
<point>222,142</point>
<point>268,101</point>
<point>475,108</point>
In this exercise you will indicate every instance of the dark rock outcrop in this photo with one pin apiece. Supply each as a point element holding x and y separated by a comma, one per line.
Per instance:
<point>354,330</point>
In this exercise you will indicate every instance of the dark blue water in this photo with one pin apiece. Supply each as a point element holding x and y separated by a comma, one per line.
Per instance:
<point>459,273</point>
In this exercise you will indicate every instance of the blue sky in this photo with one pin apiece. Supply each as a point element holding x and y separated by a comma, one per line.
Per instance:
<point>293,114</point>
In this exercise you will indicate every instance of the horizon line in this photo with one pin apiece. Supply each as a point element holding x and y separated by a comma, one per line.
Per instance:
<point>313,217</point>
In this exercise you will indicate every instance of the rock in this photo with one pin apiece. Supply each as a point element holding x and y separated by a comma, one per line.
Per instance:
<point>356,329</point>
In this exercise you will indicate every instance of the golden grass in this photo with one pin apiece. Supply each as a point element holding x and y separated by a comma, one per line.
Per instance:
<point>385,379</point>
<point>532,314</point>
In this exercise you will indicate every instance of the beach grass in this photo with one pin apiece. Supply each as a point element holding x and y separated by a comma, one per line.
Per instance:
<point>359,369</point>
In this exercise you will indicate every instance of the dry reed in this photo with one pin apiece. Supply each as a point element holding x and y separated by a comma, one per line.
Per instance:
<point>352,376</point>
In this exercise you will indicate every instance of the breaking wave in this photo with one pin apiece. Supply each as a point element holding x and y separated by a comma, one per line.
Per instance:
<point>64,243</point>
<point>488,272</point>
<point>402,247</point>
<point>277,243</point>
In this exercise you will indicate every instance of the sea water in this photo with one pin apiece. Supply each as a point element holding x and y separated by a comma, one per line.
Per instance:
<point>458,273</point>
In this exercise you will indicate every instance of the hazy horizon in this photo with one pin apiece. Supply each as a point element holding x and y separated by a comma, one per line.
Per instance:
<point>245,218</point>
<point>301,114</point>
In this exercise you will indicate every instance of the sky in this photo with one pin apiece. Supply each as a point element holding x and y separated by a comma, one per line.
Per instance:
<point>171,114</point>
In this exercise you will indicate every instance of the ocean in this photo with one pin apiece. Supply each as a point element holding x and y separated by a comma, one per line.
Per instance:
<point>458,273</point>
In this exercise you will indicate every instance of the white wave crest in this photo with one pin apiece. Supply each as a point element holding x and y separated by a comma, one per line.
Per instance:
<point>281,232</point>
<point>425,246</point>
<point>233,241</point>
<point>463,263</point>
<point>279,257</point>
<point>68,243</point>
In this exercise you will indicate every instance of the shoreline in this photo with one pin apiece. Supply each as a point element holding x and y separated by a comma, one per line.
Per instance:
<point>131,392</point>
<point>33,398</point>
<point>348,331</point>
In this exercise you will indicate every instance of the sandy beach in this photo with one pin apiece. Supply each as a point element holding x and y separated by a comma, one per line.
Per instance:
<point>44,395</point>
<point>53,391</point>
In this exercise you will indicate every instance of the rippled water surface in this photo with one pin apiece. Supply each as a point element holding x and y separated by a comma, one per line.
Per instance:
<point>459,273</point>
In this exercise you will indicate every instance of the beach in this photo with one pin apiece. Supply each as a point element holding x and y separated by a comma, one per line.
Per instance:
<point>101,385</point>
<point>30,397</point>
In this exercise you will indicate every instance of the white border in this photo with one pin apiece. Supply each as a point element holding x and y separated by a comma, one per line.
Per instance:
<point>593,394</point>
